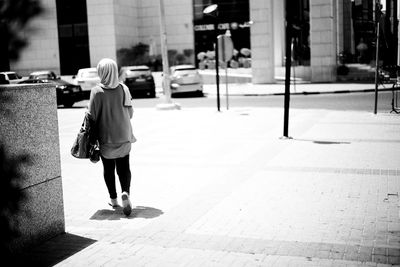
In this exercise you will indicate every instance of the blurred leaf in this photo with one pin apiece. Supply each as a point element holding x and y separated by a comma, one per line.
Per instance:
<point>14,18</point>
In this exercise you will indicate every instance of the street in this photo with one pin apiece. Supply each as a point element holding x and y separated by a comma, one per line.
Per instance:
<point>349,101</point>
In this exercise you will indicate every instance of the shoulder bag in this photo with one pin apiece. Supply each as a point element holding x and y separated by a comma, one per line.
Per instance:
<point>85,145</point>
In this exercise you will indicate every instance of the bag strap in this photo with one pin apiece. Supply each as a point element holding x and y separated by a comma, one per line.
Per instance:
<point>127,101</point>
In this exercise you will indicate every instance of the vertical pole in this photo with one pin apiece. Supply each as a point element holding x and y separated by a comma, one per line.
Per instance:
<point>164,54</point>
<point>217,59</point>
<point>376,69</point>
<point>226,85</point>
<point>398,32</point>
<point>293,65</point>
<point>287,73</point>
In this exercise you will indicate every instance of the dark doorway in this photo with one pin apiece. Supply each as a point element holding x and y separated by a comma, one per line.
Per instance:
<point>301,32</point>
<point>72,35</point>
<point>364,37</point>
<point>364,16</point>
<point>390,34</point>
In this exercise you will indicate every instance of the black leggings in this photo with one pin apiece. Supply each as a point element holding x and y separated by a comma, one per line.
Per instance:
<point>123,171</point>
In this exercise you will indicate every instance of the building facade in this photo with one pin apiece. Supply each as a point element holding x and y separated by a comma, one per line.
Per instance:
<point>73,34</point>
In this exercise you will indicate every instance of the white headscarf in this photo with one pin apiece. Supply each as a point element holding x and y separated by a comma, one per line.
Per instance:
<point>108,73</point>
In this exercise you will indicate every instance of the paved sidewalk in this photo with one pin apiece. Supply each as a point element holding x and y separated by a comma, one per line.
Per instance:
<point>224,189</point>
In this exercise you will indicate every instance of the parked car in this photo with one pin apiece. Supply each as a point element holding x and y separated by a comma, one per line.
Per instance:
<point>11,76</point>
<point>3,79</point>
<point>87,78</point>
<point>67,93</point>
<point>139,80</point>
<point>43,75</point>
<point>186,78</point>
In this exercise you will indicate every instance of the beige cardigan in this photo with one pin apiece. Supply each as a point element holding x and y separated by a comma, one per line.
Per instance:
<point>111,112</point>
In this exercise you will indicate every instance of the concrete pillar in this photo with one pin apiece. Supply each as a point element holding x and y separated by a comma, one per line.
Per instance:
<point>323,40</point>
<point>102,32</point>
<point>112,25</point>
<point>340,21</point>
<point>279,33</point>
<point>262,41</point>
<point>29,126</point>
<point>126,23</point>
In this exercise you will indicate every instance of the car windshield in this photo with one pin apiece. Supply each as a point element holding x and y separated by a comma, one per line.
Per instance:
<point>39,76</point>
<point>89,74</point>
<point>142,71</point>
<point>13,76</point>
<point>42,76</point>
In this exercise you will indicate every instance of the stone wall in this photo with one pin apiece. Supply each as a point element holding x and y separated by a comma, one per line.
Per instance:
<point>29,126</point>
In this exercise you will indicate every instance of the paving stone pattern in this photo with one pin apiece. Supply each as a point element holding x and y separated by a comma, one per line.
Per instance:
<point>224,189</point>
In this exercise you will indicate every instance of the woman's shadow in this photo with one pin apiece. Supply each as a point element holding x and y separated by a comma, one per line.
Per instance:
<point>117,213</point>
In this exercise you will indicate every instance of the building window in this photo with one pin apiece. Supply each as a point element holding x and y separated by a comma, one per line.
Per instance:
<point>233,15</point>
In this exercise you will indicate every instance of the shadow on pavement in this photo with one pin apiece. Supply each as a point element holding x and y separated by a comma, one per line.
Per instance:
<point>187,94</point>
<point>117,214</point>
<point>324,142</point>
<point>53,251</point>
<point>146,212</point>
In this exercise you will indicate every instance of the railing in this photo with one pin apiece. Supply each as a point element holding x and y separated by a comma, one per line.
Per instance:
<point>391,75</point>
<point>395,97</point>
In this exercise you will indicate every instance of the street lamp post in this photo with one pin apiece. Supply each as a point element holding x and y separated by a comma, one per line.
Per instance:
<point>378,14</point>
<point>164,52</point>
<point>212,10</point>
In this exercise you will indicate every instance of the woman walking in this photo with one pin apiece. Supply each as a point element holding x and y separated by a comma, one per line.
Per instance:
<point>110,106</point>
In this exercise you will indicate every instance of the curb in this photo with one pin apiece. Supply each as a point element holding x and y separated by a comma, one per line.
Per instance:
<point>310,93</point>
<point>341,91</point>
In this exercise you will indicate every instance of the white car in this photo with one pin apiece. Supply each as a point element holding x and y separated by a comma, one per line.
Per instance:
<point>12,77</point>
<point>186,78</point>
<point>87,78</point>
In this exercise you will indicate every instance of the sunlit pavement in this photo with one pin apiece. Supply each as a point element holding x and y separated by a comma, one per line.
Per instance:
<point>225,189</point>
